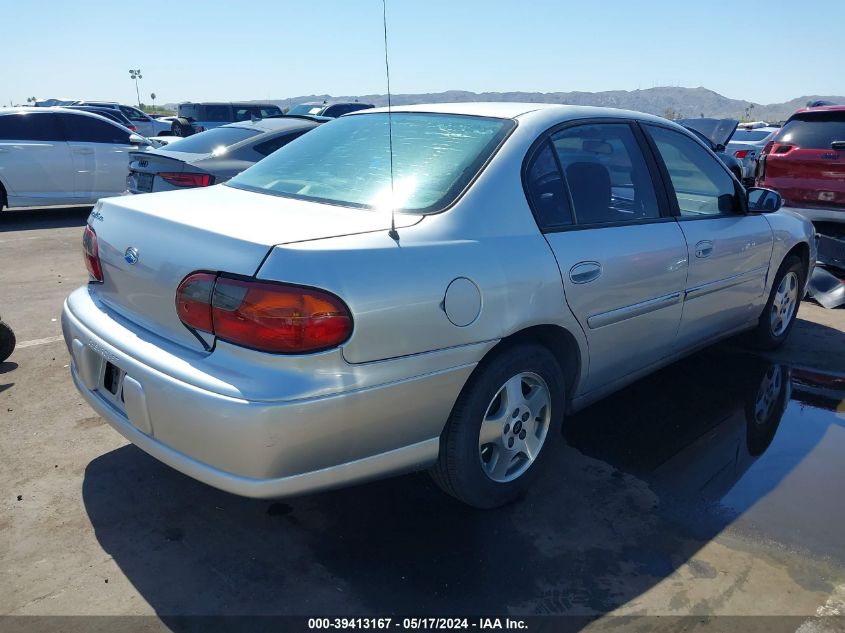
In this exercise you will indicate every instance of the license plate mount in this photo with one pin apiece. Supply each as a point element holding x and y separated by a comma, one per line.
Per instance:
<point>113,380</point>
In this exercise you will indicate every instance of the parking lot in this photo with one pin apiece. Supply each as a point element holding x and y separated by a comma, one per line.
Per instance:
<point>667,499</point>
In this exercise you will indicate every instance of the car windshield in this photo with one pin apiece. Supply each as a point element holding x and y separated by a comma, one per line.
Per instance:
<point>348,161</point>
<point>214,141</point>
<point>813,130</point>
<point>304,108</point>
<point>750,135</point>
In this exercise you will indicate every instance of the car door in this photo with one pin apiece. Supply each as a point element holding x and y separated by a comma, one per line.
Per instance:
<point>100,152</point>
<point>729,249</point>
<point>622,258</point>
<point>35,160</point>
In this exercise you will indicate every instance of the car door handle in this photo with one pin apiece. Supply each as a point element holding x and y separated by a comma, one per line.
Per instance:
<point>704,248</point>
<point>585,272</point>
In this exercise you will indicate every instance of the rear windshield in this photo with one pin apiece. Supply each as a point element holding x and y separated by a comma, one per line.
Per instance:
<point>212,141</point>
<point>347,161</point>
<point>813,130</point>
<point>750,135</point>
<point>304,108</point>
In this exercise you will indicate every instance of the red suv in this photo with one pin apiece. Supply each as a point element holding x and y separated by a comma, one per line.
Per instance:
<point>805,163</point>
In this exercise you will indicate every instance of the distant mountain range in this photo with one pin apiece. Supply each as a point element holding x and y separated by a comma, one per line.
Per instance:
<point>664,101</point>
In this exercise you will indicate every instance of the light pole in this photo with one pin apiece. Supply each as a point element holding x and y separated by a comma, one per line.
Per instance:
<point>136,75</point>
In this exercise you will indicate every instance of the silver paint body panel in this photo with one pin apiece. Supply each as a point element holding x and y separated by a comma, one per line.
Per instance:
<point>268,425</point>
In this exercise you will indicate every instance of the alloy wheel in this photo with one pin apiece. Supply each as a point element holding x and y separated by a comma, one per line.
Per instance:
<point>515,427</point>
<point>784,303</point>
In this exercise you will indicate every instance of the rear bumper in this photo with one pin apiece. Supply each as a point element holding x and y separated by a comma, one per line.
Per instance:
<point>260,448</point>
<point>815,214</point>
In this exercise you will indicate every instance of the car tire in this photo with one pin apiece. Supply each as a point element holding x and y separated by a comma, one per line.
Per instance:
<point>181,127</point>
<point>515,400</point>
<point>7,341</point>
<point>781,309</point>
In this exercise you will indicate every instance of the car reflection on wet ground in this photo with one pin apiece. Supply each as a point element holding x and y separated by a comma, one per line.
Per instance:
<point>713,486</point>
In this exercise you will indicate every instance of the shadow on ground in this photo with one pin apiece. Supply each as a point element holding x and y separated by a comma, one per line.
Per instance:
<point>47,218</point>
<point>643,481</point>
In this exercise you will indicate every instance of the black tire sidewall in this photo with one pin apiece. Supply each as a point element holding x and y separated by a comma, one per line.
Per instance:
<point>764,339</point>
<point>469,479</point>
<point>7,341</point>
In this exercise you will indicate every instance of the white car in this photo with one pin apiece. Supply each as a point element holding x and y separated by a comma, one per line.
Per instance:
<point>147,125</point>
<point>56,156</point>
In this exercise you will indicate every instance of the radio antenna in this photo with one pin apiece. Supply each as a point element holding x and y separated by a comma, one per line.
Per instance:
<point>392,232</point>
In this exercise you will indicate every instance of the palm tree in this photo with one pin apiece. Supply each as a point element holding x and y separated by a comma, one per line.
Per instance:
<point>153,98</point>
<point>136,75</point>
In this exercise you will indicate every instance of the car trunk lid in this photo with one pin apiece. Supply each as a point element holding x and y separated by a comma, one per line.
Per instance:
<point>216,229</point>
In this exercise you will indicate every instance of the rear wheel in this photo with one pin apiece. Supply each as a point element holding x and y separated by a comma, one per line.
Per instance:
<point>778,316</point>
<point>181,127</point>
<point>504,426</point>
<point>7,341</point>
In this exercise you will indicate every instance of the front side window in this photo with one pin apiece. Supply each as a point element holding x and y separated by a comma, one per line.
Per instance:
<point>702,184</point>
<point>348,161</point>
<point>86,129</point>
<point>607,176</point>
<point>30,126</point>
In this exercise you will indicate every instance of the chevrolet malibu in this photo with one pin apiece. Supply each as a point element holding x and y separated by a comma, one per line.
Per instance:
<point>435,287</point>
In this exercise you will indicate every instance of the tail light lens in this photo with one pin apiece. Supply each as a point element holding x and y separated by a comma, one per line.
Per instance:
<point>187,180</point>
<point>133,128</point>
<point>742,153</point>
<point>91,254</point>
<point>267,316</point>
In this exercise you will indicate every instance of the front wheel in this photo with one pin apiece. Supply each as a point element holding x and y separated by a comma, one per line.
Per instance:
<point>778,316</point>
<point>504,426</point>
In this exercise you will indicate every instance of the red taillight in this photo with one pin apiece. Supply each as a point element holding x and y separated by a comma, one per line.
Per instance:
<point>742,153</point>
<point>187,180</point>
<point>133,128</point>
<point>91,253</point>
<point>193,301</point>
<point>267,316</point>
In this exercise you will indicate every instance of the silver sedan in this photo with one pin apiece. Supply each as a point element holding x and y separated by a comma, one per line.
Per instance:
<point>340,312</point>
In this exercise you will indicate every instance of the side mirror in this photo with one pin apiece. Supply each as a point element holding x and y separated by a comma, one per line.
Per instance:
<point>763,200</point>
<point>137,139</point>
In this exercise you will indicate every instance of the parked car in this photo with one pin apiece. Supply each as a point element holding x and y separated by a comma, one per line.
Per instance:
<point>805,163</point>
<point>144,124</point>
<point>115,115</point>
<point>57,156</point>
<point>330,315</point>
<point>747,146</point>
<point>716,133</point>
<point>198,117</point>
<point>331,110</point>
<point>214,156</point>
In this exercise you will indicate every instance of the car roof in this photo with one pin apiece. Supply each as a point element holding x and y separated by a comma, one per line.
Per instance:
<point>828,108</point>
<point>275,124</point>
<point>512,110</point>
<point>251,104</point>
<point>73,111</point>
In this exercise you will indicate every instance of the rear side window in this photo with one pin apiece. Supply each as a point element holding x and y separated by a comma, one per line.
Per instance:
<point>214,113</point>
<point>607,176</point>
<point>546,190</point>
<point>188,111</point>
<point>750,136</point>
<point>813,130</point>
<point>702,184</point>
<point>132,114</point>
<point>87,129</point>
<point>30,126</point>
<point>268,147</point>
<point>212,141</point>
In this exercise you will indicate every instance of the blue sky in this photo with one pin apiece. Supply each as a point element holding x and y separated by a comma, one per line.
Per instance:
<point>765,51</point>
